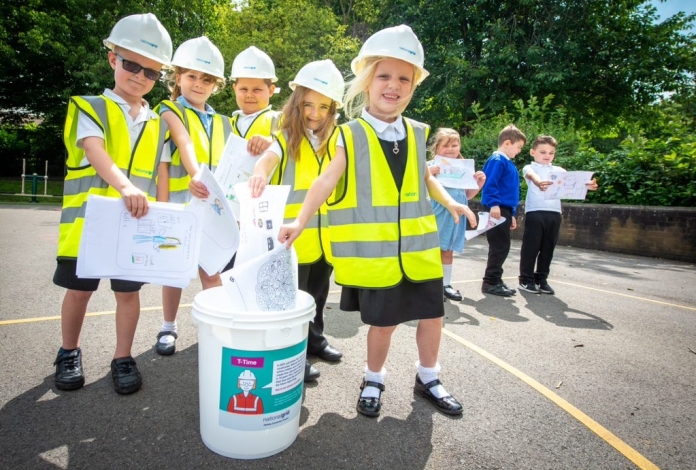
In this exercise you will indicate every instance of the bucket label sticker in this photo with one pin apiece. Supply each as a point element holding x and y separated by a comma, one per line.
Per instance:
<point>260,390</point>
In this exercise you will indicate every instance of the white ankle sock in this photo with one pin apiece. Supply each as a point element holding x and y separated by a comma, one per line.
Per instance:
<point>373,392</point>
<point>167,326</point>
<point>447,279</point>
<point>428,374</point>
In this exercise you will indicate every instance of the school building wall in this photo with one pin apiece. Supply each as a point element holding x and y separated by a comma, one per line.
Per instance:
<point>661,232</point>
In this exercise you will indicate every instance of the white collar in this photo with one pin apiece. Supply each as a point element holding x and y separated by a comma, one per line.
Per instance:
<point>241,114</point>
<point>145,111</point>
<point>543,165</point>
<point>381,126</point>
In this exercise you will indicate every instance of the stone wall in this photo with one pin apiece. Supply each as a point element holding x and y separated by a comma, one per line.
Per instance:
<point>662,232</point>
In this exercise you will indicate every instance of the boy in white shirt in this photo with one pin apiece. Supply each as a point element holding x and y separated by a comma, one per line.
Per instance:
<point>114,142</point>
<point>542,218</point>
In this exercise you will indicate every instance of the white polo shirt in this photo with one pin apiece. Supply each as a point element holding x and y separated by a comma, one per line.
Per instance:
<point>535,197</point>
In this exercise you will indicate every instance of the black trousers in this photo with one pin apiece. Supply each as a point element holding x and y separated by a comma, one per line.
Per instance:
<point>541,230</point>
<point>498,248</point>
<point>315,279</point>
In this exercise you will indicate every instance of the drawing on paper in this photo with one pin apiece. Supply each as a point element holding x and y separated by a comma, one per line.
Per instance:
<point>164,241</point>
<point>217,206</point>
<point>158,242</point>
<point>568,185</point>
<point>275,284</point>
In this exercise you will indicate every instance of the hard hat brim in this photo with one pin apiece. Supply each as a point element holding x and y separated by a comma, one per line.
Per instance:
<point>111,45</point>
<point>293,84</point>
<point>358,64</point>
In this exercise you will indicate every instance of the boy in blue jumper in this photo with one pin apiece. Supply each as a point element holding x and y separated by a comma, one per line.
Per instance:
<point>501,195</point>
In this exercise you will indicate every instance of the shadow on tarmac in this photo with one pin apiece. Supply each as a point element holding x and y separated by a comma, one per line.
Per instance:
<point>554,310</point>
<point>498,307</point>
<point>44,428</point>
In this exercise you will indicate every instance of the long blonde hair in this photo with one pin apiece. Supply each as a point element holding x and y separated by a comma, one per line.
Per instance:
<point>170,81</point>
<point>443,136</point>
<point>294,124</point>
<point>356,95</point>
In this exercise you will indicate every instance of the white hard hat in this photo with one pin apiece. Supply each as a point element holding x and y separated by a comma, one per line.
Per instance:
<point>253,63</point>
<point>200,54</point>
<point>247,375</point>
<point>323,77</point>
<point>144,35</point>
<point>398,42</point>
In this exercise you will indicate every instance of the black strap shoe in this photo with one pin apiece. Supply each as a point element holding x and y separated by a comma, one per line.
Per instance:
<point>125,375</point>
<point>370,406</point>
<point>168,348</point>
<point>448,405</point>
<point>311,373</point>
<point>69,375</point>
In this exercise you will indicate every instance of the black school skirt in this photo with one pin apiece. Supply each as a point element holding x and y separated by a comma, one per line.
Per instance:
<point>389,307</point>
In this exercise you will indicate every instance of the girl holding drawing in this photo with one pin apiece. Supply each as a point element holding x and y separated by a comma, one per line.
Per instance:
<point>383,231</point>
<point>296,158</point>
<point>447,143</point>
<point>198,136</point>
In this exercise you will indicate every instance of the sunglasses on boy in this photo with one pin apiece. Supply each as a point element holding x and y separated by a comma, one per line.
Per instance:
<point>134,67</point>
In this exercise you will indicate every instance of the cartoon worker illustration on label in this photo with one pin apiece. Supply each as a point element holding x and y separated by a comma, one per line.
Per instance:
<point>246,403</point>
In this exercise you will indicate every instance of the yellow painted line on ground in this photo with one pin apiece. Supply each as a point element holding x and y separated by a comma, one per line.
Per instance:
<point>93,314</point>
<point>626,450</point>
<point>635,297</point>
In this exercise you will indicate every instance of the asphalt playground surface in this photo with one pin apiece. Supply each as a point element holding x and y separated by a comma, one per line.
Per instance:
<point>600,376</point>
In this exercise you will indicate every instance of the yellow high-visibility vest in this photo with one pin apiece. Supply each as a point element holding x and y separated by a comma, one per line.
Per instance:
<point>299,175</point>
<point>208,149</point>
<point>139,164</point>
<point>266,123</point>
<point>379,235</point>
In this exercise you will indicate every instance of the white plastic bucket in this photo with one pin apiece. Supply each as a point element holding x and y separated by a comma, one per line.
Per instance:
<point>237,349</point>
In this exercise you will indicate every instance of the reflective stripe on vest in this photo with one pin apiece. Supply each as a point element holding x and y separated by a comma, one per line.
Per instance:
<point>265,124</point>
<point>245,410</point>
<point>378,234</point>
<point>208,149</point>
<point>299,175</point>
<point>138,165</point>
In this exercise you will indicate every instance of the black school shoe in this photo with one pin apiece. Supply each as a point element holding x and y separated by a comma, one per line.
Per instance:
<point>497,289</point>
<point>452,294</point>
<point>69,375</point>
<point>544,288</point>
<point>448,405</point>
<point>125,375</point>
<point>370,407</point>
<point>311,373</point>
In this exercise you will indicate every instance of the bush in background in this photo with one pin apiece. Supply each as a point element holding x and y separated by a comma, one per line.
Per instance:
<point>651,161</point>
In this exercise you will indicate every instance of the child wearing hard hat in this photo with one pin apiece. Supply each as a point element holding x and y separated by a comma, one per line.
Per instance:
<point>298,155</point>
<point>253,80</point>
<point>114,143</point>
<point>384,242</point>
<point>198,136</point>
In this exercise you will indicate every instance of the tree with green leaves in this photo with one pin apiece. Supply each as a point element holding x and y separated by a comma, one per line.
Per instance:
<point>601,59</point>
<point>291,32</point>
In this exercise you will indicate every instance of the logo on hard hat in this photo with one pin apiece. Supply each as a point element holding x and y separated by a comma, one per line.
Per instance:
<point>408,50</point>
<point>249,67</point>
<point>151,44</point>
<point>207,62</point>
<point>321,81</point>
